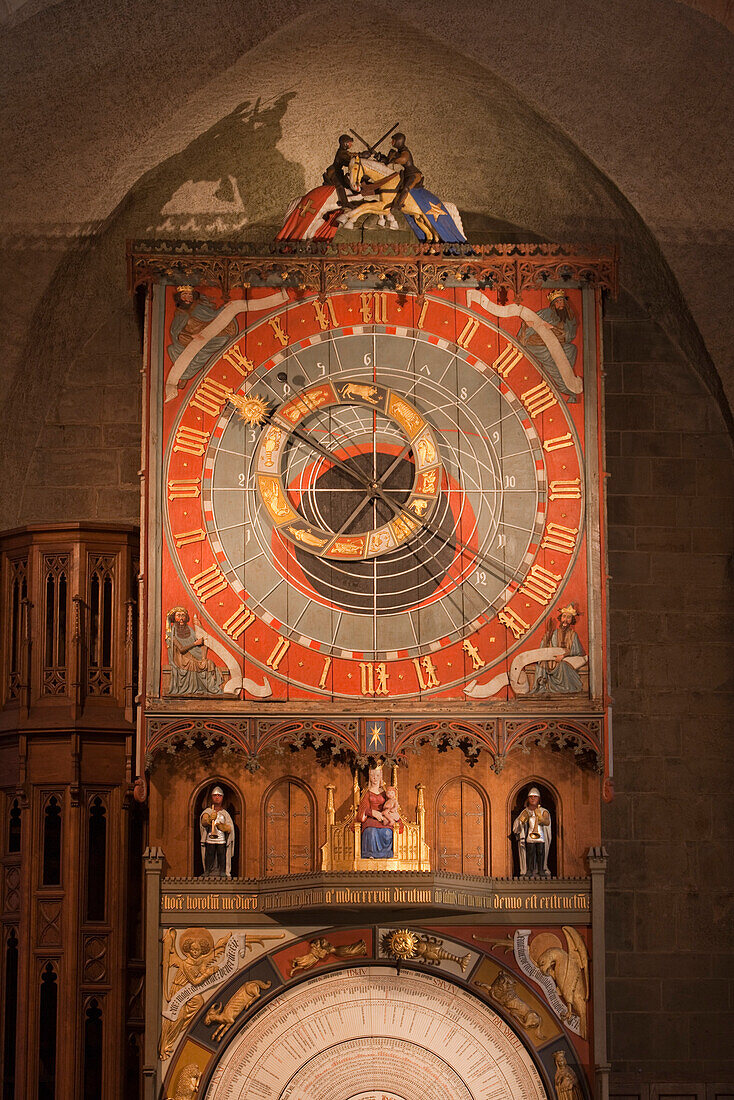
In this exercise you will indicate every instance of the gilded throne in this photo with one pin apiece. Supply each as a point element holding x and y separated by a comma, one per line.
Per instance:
<point>343,850</point>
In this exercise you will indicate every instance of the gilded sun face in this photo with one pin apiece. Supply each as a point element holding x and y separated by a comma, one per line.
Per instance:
<point>252,409</point>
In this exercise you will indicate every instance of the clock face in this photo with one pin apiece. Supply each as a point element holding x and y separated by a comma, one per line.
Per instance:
<point>389,495</point>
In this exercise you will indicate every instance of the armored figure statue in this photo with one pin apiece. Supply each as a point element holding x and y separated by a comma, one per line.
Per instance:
<point>532,830</point>
<point>336,173</point>
<point>217,837</point>
<point>410,176</point>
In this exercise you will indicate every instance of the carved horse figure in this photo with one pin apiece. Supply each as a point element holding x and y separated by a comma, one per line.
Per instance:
<point>428,217</point>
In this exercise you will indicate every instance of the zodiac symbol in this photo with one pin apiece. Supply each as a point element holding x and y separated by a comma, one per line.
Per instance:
<point>307,537</point>
<point>353,389</point>
<point>272,439</point>
<point>426,450</point>
<point>273,497</point>
<point>418,506</point>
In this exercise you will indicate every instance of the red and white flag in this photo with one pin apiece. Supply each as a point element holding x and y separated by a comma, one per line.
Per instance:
<point>313,217</point>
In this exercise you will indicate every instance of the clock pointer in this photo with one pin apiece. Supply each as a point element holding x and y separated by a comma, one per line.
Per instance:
<point>374,489</point>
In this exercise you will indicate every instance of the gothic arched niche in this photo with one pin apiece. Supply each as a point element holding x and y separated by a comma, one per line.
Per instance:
<point>462,828</point>
<point>234,805</point>
<point>551,801</point>
<point>289,824</point>
<point>369,1031</point>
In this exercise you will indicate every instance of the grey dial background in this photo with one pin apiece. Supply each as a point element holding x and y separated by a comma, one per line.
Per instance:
<point>369,608</point>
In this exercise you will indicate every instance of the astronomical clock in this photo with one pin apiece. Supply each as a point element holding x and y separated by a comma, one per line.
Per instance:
<point>374,570</point>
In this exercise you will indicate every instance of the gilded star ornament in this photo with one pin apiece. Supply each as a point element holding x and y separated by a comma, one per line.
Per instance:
<point>251,408</point>
<point>376,737</point>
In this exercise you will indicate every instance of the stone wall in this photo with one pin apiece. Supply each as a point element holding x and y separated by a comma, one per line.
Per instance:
<point>670,904</point>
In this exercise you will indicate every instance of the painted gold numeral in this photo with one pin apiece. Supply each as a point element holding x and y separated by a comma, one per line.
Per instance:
<point>240,362</point>
<point>373,307</point>
<point>187,537</point>
<point>425,670</point>
<point>559,538</point>
<point>537,399</point>
<point>207,583</point>
<point>467,334</point>
<point>325,315</point>
<point>183,487</point>
<point>422,315</point>
<point>238,623</point>
<point>280,649</point>
<point>507,360</point>
<point>373,678</point>
<point>540,584</point>
<point>513,622</point>
<point>211,396</point>
<point>559,443</point>
<point>192,441</point>
<point>280,336</point>
<point>570,489</point>
<point>476,660</point>
<point>325,672</point>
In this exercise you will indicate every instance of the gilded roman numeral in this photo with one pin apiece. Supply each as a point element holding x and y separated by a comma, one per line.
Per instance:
<point>513,622</point>
<point>280,336</point>
<point>476,660</point>
<point>207,583</point>
<point>240,362</point>
<point>425,670</point>
<point>539,398</point>
<point>568,489</point>
<point>325,315</point>
<point>373,678</point>
<point>280,649</point>
<point>325,672</point>
<point>559,443</point>
<point>238,622</point>
<point>559,538</point>
<point>422,315</point>
<point>211,396</point>
<point>183,487</point>
<point>187,537</point>
<point>507,360</point>
<point>373,307</point>
<point>540,584</point>
<point>192,441</point>
<point>467,334</point>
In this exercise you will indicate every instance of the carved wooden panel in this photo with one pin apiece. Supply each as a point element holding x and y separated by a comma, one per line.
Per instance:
<point>288,829</point>
<point>461,829</point>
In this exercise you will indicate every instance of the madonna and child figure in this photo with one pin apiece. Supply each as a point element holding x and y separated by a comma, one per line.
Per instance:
<point>377,812</point>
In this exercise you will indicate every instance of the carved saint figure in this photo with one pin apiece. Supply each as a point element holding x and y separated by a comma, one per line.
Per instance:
<point>194,960</point>
<point>192,672</point>
<point>560,316</point>
<point>377,835</point>
<point>193,313</point>
<point>568,969</point>
<point>532,830</point>
<point>565,1080</point>
<point>217,837</point>
<point>558,677</point>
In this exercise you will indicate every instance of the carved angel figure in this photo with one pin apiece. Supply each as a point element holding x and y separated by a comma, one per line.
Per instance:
<point>568,969</point>
<point>194,959</point>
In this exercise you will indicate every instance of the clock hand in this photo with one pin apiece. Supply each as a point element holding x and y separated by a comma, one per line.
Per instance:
<point>324,452</point>
<point>493,567</point>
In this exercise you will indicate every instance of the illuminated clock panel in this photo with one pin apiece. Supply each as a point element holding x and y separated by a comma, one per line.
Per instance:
<point>405,514</point>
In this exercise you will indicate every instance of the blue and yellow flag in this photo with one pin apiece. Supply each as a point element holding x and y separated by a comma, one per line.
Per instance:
<point>445,224</point>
